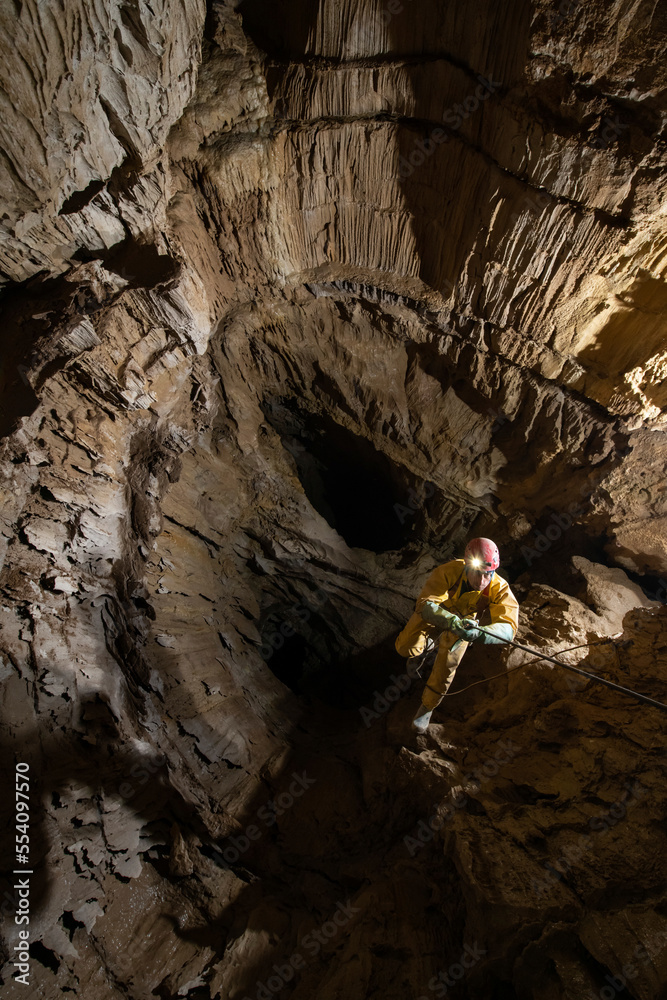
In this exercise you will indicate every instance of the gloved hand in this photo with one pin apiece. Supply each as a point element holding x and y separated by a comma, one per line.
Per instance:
<point>467,629</point>
<point>490,635</point>
<point>434,614</point>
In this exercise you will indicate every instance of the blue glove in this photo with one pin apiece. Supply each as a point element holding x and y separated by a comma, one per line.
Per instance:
<point>490,635</point>
<point>434,614</point>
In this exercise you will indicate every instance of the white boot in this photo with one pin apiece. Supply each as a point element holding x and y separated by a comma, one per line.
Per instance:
<point>422,719</point>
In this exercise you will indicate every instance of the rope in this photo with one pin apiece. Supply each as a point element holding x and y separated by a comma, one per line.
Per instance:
<point>509,670</point>
<point>567,666</point>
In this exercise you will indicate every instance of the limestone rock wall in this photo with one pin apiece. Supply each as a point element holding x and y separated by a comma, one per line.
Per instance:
<point>90,93</point>
<point>296,297</point>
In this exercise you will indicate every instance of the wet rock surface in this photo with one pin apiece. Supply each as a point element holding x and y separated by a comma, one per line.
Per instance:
<point>297,298</point>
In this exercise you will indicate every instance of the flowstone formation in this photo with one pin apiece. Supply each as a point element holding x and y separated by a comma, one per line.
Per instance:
<point>297,298</point>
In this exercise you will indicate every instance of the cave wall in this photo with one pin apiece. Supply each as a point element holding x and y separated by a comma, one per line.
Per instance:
<point>273,347</point>
<point>525,242</point>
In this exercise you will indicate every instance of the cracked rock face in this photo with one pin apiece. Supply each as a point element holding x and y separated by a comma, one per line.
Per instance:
<point>297,298</point>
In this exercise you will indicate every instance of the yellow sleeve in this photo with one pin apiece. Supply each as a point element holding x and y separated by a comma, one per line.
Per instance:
<point>504,607</point>
<point>440,582</point>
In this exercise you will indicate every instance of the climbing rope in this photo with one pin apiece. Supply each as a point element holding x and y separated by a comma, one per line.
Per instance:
<point>566,666</point>
<point>503,673</point>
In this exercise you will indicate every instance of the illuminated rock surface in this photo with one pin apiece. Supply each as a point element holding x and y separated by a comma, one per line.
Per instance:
<point>297,297</point>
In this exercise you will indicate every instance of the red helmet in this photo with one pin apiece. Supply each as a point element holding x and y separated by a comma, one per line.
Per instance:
<point>482,553</point>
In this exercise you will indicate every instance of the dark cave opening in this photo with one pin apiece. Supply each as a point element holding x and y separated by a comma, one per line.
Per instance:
<point>372,502</point>
<point>296,641</point>
<point>300,650</point>
<point>287,659</point>
<point>544,556</point>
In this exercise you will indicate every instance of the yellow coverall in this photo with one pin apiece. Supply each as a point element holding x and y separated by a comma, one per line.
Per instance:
<point>444,587</point>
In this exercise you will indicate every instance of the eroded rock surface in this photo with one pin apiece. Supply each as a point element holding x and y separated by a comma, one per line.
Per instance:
<point>297,297</point>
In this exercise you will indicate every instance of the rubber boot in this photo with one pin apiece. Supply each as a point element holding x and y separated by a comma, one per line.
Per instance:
<point>422,719</point>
